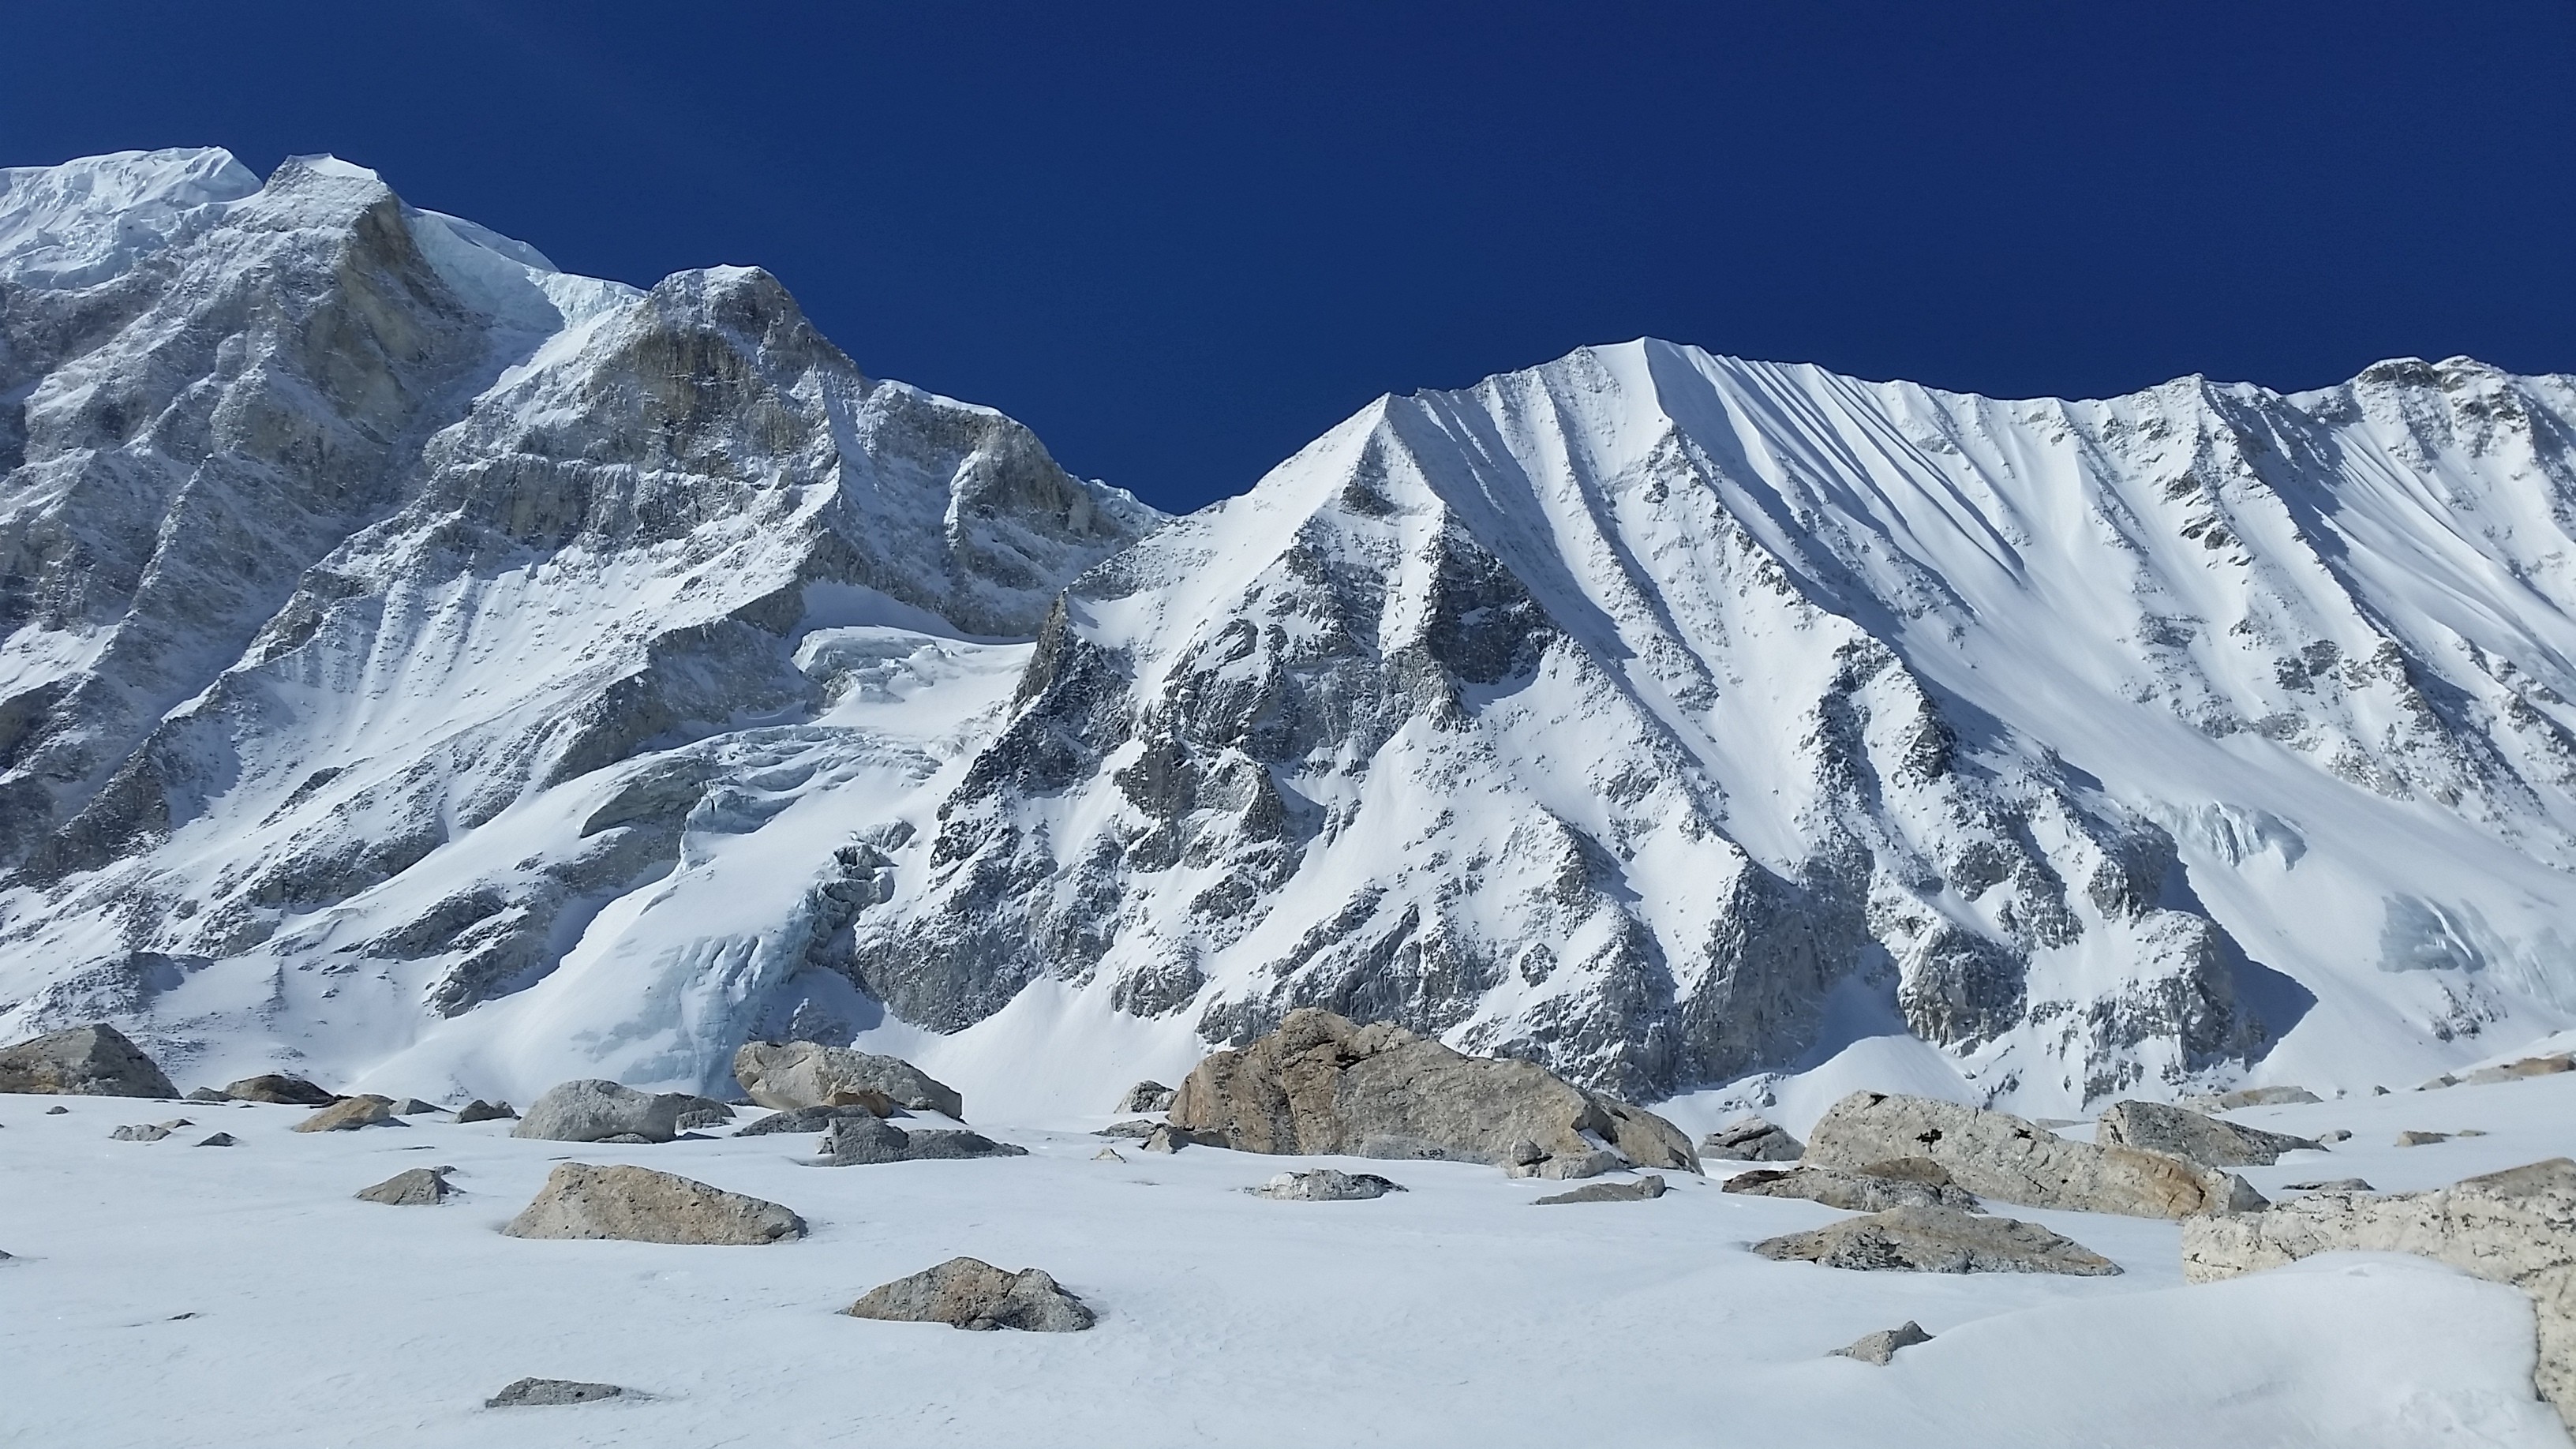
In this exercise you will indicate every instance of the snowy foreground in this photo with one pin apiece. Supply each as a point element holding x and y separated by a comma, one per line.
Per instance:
<point>166,1294</point>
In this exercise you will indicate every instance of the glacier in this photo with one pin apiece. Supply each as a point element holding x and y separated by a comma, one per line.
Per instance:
<point>430,669</point>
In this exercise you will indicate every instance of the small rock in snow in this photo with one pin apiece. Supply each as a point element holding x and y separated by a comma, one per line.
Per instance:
<point>811,1119</point>
<point>540,1393</point>
<point>1881,1346</point>
<point>2340,1134</point>
<point>56,1110</point>
<point>368,1110</point>
<point>479,1110</point>
<point>140,1132</point>
<point>279,1090</point>
<point>2330,1184</point>
<point>1939,1240</point>
<point>2421,1139</point>
<point>1107,1154</point>
<point>639,1205</point>
<point>420,1187</point>
<point>1325,1185</point>
<point>973,1294</point>
<point>414,1106</point>
<point>1649,1186</point>
<point>220,1139</point>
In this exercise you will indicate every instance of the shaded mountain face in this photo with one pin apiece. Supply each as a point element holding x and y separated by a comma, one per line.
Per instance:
<point>422,662</point>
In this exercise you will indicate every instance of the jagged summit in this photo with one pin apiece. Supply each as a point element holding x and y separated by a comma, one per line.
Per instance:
<point>426,661</point>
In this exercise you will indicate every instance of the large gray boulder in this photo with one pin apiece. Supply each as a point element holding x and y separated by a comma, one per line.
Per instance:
<point>593,1110</point>
<point>348,1115</point>
<point>639,1205</point>
<point>1939,1240</point>
<point>2178,1132</point>
<point>1323,1085</point>
<point>1908,1182</point>
<point>971,1293</point>
<point>788,1075</point>
<point>278,1089</point>
<point>2517,1226</point>
<point>1751,1140</point>
<point>1147,1096</point>
<point>85,1061</point>
<point>808,1119</point>
<point>2000,1156</point>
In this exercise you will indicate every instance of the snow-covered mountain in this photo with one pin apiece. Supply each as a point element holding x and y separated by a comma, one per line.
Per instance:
<point>447,671</point>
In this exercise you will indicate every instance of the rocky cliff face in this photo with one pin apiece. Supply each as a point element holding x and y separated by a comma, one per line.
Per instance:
<point>423,660</point>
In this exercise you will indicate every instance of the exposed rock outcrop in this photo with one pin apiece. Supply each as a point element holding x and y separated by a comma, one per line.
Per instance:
<point>639,1205</point>
<point>595,1110</point>
<point>2517,1226</point>
<point>788,1075</point>
<point>2178,1132</point>
<point>1148,1096</point>
<point>1321,1085</point>
<point>973,1294</point>
<point>2000,1156</point>
<point>89,1061</point>
<point>1939,1240</point>
<point>1907,1182</point>
<point>2252,1097</point>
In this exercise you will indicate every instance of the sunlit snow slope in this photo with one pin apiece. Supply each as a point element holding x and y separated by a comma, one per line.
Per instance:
<point>427,665</point>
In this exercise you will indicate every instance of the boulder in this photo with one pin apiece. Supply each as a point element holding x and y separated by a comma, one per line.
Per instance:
<point>1907,1182</point>
<point>140,1132</point>
<point>280,1090</point>
<point>971,1293</point>
<point>56,1110</point>
<point>1939,1240</point>
<point>366,1110</point>
<point>85,1061</point>
<point>2000,1156</point>
<point>220,1139</point>
<point>2517,1226</point>
<point>1164,1137</point>
<point>2177,1132</point>
<point>2412,1138</point>
<point>2252,1097</point>
<point>810,1119</point>
<point>1322,1085</point>
<point>1751,1140</point>
<point>1107,1154</point>
<point>479,1110</point>
<point>2528,1067</point>
<point>639,1205</point>
<point>1644,1189</point>
<point>414,1107</point>
<point>206,1094</point>
<point>1325,1185</point>
<point>420,1187</point>
<point>1147,1097</point>
<point>544,1393</point>
<point>2331,1184</point>
<point>1881,1346</point>
<point>787,1075</point>
<point>1138,1129</point>
<point>865,1139</point>
<point>594,1110</point>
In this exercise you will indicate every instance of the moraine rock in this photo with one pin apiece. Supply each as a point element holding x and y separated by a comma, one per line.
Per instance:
<point>639,1205</point>
<point>2413,1138</point>
<point>810,1119</point>
<point>594,1110</point>
<point>85,1061</point>
<point>1107,1154</point>
<point>56,1110</point>
<point>220,1139</point>
<point>2000,1156</point>
<point>973,1294</point>
<point>281,1090</point>
<point>479,1110</point>
<point>1323,1085</point>
<point>1147,1096</point>
<point>2176,1132</point>
<point>207,1094</point>
<point>787,1075</point>
<point>415,1107</point>
<point>419,1187</point>
<point>1166,1138</point>
<point>865,1140</point>
<point>140,1132</point>
<point>1139,1129</point>
<point>2331,1184</point>
<point>2252,1097</point>
<point>2517,1226</point>
<point>2547,1066</point>
<point>364,1110</point>
<point>546,1393</point>
<point>1751,1140</point>
<point>1880,1347</point>
<point>1906,1182</point>
<point>1939,1240</point>
<point>1644,1189</point>
<point>1325,1184</point>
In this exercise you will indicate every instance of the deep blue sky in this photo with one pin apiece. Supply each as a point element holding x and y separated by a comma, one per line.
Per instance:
<point>1181,240</point>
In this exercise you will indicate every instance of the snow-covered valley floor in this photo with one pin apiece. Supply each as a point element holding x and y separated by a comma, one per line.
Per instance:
<point>166,1294</point>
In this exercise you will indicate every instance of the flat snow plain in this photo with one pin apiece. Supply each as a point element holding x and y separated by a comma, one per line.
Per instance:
<point>164,1294</point>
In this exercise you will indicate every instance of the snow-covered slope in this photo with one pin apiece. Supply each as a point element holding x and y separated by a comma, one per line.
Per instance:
<point>451,673</point>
